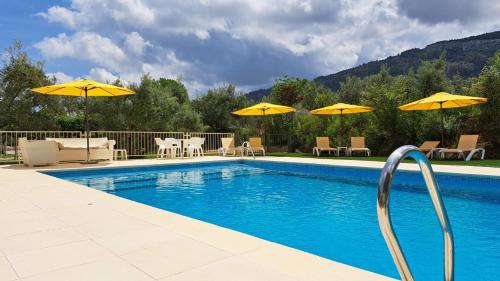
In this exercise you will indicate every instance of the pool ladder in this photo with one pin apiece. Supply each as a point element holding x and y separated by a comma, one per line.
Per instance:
<point>384,216</point>
<point>246,149</point>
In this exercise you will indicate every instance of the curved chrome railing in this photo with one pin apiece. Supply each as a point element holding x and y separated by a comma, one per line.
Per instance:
<point>384,216</point>
<point>246,149</point>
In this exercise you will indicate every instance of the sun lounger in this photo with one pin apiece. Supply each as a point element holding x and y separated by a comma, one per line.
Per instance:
<point>256,145</point>
<point>228,147</point>
<point>466,144</point>
<point>358,144</point>
<point>428,147</point>
<point>323,144</point>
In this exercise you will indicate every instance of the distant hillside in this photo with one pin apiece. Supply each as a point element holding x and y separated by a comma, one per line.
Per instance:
<point>257,95</point>
<point>465,57</point>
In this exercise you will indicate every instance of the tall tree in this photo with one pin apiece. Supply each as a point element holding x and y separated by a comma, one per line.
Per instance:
<point>20,109</point>
<point>177,89</point>
<point>350,90</point>
<point>216,106</point>
<point>488,86</point>
<point>431,77</point>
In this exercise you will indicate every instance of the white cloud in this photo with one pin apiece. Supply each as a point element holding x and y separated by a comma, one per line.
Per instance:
<point>84,46</point>
<point>91,13</point>
<point>168,66</point>
<point>61,77</point>
<point>245,42</point>
<point>102,75</point>
<point>202,34</point>
<point>135,43</point>
<point>61,15</point>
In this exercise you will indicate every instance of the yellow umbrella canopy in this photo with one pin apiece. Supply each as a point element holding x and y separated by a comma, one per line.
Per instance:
<point>341,109</point>
<point>264,108</point>
<point>443,100</point>
<point>84,88</point>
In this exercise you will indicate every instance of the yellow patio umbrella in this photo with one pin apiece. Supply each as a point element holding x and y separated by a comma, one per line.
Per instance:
<point>442,100</point>
<point>264,108</point>
<point>84,88</point>
<point>341,109</point>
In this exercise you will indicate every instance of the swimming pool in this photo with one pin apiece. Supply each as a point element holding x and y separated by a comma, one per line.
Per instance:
<point>325,210</point>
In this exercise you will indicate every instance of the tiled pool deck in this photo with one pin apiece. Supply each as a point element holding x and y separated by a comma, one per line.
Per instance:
<point>51,229</point>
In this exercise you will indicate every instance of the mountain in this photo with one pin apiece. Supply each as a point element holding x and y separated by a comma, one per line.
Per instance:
<point>257,95</point>
<point>465,57</point>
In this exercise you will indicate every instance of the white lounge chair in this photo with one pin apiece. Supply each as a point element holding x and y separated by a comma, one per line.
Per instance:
<point>228,147</point>
<point>256,145</point>
<point>323,144</point>
<point>358,144</point>
<point>466,144</point>
<point>428,147</point>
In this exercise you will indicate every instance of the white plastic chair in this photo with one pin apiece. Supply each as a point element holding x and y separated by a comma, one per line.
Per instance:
<point>161,148</point>
<point>195,146</point>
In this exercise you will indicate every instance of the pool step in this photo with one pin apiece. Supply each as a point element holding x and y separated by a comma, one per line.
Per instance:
<point>157,180</point>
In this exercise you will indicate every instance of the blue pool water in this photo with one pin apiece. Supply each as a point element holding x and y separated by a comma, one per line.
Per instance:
<point>328,211</point>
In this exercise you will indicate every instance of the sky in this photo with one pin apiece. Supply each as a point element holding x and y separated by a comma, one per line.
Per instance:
<point>247,43</point>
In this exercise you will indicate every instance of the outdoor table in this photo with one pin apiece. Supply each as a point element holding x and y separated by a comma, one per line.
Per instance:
<point>345,148</point>
<point>181,141</point>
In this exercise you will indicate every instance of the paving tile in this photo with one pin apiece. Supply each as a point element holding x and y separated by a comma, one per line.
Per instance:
<point>174,256</point>
<point>104,270</point>
<point>219,237</point>
<point>27,222</point>
<point>16,204</point>
<point>47,259</point>
<point>84,214</point>
<point>136,239</point>
<point>54,199</point>
<point>147,213</point>
<point>230,269</point>
<point>39,240</point>
<point>114,226</point>
<point>7,273</point>
<point>306,266</point>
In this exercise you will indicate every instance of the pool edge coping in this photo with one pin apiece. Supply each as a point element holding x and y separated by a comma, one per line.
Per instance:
<point>23,178</point>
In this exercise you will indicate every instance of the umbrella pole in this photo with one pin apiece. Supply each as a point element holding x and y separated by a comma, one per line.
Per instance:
<point>87,125</point>
<point>264,126</point>
<point>341,128</point>
<point>87,132</point>
<point>442,123</point>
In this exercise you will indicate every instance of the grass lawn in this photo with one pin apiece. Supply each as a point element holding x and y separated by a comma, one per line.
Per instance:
<point>485,163</point>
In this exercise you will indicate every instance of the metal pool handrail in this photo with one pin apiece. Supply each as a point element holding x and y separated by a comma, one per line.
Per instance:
<point>245,148</point>
<point>384,216</point>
